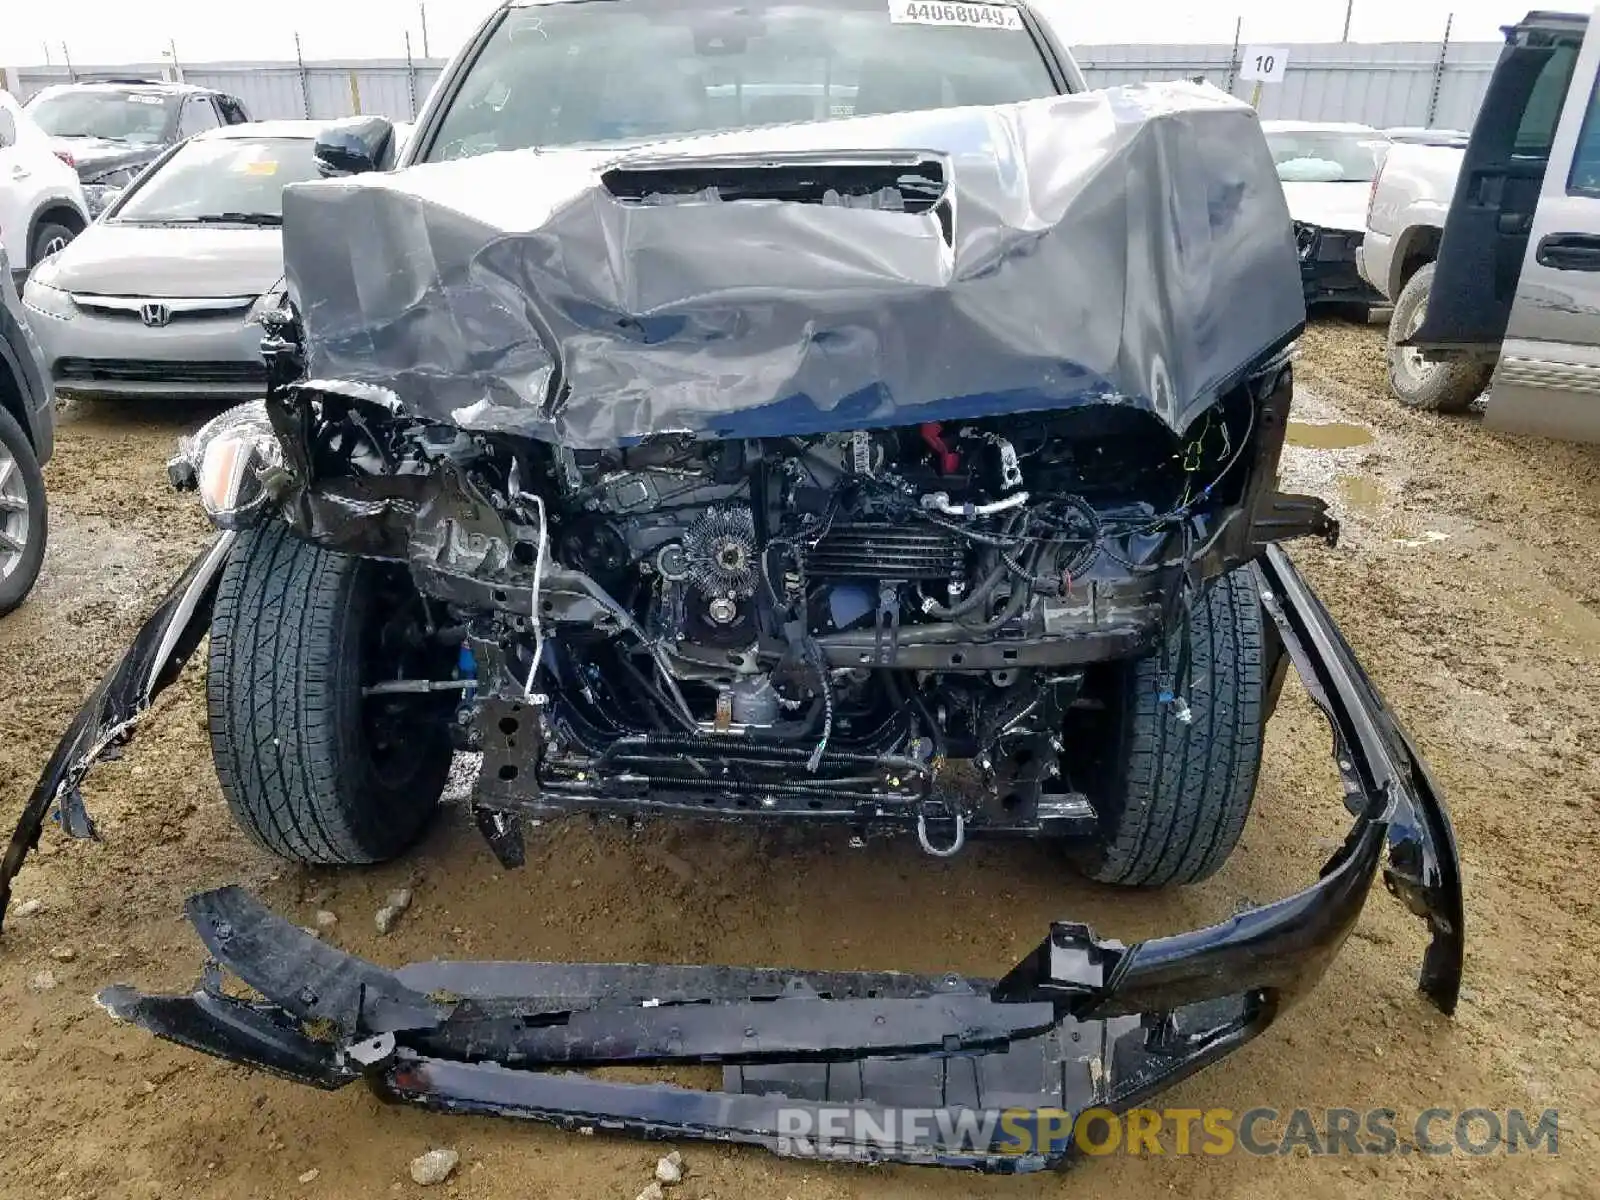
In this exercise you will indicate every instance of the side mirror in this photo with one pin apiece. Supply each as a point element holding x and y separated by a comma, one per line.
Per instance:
<point>354,147</point>
<point>8,128</point>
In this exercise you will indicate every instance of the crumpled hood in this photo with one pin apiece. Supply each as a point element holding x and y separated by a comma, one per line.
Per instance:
<point>1329,205</point>
<point>1128,246</point>
<point>109,259</point>
<point>94,157</point>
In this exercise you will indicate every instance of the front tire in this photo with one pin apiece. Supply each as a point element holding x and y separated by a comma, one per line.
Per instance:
<point>23,514</point>
<point>1431,385</point>
<point>313,769</point>
<point>1178,793</point>
<point>51,237</point>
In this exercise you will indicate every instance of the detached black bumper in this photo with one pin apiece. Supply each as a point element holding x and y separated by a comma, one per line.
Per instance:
<point>821,1062</point>
<point>1328,272</point>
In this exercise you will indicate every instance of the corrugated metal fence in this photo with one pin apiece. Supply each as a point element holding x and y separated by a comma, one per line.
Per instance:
<point>1389,83</point>
<point>1381,83</point>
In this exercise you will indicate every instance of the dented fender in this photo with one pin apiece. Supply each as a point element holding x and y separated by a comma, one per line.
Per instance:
<point>153,660</point>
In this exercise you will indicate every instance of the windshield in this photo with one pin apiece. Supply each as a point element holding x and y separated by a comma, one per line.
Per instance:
<point>576,73</point>
<point>1308,157</point>
<point>222,180</point>
<point>141,118</point>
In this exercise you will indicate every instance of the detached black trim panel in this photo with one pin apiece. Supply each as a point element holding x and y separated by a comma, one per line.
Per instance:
<point>1080,1022</point>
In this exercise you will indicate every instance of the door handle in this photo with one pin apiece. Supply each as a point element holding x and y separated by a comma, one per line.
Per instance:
<point>1569,251</point>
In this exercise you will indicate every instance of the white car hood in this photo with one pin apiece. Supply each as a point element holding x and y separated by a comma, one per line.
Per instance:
<point>180,261</point>
<point>1329,205</point>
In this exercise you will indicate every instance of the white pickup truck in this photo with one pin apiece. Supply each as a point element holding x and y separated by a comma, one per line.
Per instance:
<point>1405,224</point>
<point>1405,215</point>
<point>1492,255</point>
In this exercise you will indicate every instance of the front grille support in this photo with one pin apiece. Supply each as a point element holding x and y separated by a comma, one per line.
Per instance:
<point>140,370</point>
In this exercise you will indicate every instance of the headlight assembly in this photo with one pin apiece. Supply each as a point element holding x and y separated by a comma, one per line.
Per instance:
<point>270,301</point>
<point>100,197</point>
<point>226,462</point>
<point>48,301</point>
<point>118,179</point>
<point>1305,240</point>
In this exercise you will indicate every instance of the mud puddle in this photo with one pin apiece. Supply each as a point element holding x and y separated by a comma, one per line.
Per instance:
<point>1328,435</point>
<point>1361,492</point>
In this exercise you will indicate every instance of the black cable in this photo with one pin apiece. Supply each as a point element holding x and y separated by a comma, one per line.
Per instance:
<point>1185,509</point>
<point>652,692</point>
<point>814,652</point>
<point>897,701</point>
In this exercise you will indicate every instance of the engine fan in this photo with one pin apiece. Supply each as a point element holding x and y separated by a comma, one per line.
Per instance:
<point>721,551</point>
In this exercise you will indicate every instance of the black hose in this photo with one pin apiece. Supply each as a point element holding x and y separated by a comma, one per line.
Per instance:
<point>1019,597</point>
<point>796,729</point>
<point>1021,593</point>
<point>980,596</point>
<point>654,693</point>
<point>934,731</point>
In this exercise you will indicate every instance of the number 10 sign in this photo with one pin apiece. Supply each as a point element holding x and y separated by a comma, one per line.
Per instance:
<point>1264,64</point>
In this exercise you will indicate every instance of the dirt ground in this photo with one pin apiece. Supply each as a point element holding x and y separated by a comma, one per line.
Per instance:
<point>1468,581</point>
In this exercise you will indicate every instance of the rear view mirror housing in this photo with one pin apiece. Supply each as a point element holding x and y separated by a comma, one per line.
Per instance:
<point>355,147</point>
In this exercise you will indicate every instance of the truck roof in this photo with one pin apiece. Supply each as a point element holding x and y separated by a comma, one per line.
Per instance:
<point>1543,18</point>
<point>1319,127</point>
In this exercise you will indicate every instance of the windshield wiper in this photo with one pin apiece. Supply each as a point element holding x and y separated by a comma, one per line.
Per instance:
<point>234,218</point>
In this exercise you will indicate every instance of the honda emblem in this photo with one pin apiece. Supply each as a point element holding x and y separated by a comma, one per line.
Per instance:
<point>155,315</point>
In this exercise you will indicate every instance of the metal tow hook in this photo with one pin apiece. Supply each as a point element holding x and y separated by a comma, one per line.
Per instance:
<point>956,843</point>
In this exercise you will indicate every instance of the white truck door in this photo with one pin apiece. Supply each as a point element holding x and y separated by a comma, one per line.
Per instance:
<point>1548,378</point>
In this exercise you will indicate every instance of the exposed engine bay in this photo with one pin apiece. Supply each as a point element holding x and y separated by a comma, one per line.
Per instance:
<point>805,626</point>
<point>778,580</point>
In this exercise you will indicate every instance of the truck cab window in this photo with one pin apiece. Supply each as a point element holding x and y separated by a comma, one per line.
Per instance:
<point>1537,131</point>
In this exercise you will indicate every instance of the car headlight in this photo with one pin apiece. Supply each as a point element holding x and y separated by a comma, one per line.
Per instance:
<point>1305,240</point>
<point>100,196</point>
<point>228,462</point>
<point>270,301</point>
<point>40,297</point>
<point>118,179</point>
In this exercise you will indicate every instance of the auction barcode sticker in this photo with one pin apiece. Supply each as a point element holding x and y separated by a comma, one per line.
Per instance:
<point>940,12</point>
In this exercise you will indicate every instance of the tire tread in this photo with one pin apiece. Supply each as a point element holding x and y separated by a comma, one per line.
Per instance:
<point>15,590</point>
<point>280,670</point>
<point>1187,789</point>
<point>1454,385</point>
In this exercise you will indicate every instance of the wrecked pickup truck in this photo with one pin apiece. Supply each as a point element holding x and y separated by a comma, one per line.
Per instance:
<point>894,447</point>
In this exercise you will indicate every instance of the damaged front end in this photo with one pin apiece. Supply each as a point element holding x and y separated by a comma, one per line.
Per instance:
<point>1079,1023</point>
<point>761,475</point>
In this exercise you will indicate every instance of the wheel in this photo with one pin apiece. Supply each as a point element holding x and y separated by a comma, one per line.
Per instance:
<point>50,238</point>
<point>23,516</point>
<point>1433,385</point>
<point>1176,794</point>
<point>314,769</point>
